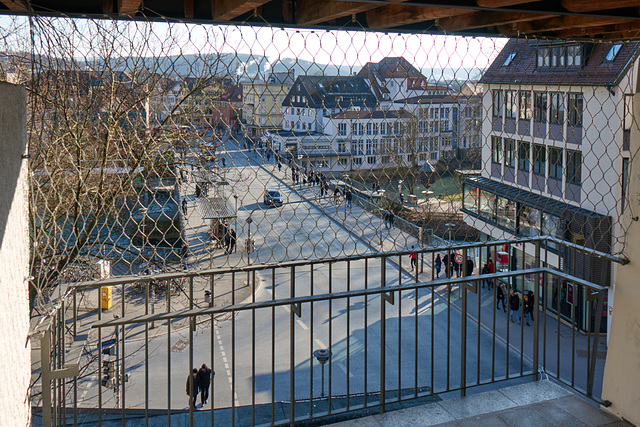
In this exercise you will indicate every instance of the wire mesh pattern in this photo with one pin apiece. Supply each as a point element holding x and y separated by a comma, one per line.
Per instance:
<point>160,147</point>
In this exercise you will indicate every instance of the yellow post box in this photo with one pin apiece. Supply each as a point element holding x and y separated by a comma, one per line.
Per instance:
<point>106,300</point>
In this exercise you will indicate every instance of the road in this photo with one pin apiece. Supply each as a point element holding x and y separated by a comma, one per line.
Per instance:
<point>252,352</point>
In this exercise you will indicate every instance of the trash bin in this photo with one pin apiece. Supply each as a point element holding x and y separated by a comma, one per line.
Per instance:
<point>106,297</point>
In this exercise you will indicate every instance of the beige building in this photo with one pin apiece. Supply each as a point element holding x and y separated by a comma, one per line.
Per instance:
<point>263,102</point>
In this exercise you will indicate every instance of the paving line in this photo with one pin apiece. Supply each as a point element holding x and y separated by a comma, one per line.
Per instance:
<point>226,365</point>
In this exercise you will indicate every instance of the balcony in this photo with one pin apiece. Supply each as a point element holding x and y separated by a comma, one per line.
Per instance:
<point>394,337</point>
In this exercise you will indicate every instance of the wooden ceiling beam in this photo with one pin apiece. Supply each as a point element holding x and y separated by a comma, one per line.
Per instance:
<point>556,24</point>
<point>474,20</point>
<point>592,6</point>
<point>603,30</point>
<point>15,5</point>
<point>226,10</point>
<point>128,7</point>
<point>501,3</point>
<point>311,12</point>
<point>397,15</point>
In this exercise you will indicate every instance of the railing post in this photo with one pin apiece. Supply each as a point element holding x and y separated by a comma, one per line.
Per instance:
<point>383,325</point>
<point>45,366</point>
<point>463,329</point>
<point>536,314</point>
<point>594,348</point>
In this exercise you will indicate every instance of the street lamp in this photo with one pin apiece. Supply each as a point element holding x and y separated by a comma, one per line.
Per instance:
<point>235,196</point>
<point>322,355</point>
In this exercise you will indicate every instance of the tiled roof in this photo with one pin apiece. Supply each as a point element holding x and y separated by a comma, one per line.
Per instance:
<point>327,91</point>
<point>522,68</point>
<point>432,99</point>
<point>390,67</point>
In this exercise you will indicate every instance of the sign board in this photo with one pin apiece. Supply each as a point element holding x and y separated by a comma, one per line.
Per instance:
<point>459,258</point>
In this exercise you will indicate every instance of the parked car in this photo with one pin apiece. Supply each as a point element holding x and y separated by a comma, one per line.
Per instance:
<point>272,197</point>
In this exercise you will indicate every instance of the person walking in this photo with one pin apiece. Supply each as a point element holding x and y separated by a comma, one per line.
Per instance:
<point>532,306</point>
<point>184,253</point>
<point>184,206</point>
<point>227,241</point>
<point>485,270</point>
<point>457,267</point>
<point>492,269</point>
<point>348,196</point>
<point>279,166</point>
<point>192,387</point>
<point>391,219</point>
<point>204,380</point>
<point>336,194</point>
<point>469,267</point>
<point>514,306</point>
<point>500,296</point>
<point>438,265</point>
<point>447,265</point>
<point>414,259</point>
<point>232,240</point>
<point>526,308</point>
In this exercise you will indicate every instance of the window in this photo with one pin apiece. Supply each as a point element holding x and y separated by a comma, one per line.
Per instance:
<point>360,129</point>
<point>525,105</point>
<point>383,128</point>
<point>555,163</point>
<point>539,159</point>
<point>511,99</point>
<point>376,129</point>
<point>544,59</point>
<point>369,128</point>
<point>487,208</point>
<point>343,162</point>
<point>506,213</point>
<point>558,56</point>
<point>613,52</point>
<point>470,198</point>
<point>574,56</point>
<point>556,114</point>
<point>530,221</point>
<point>524,163</point>
<point>357,160</point>
<point>575,105</point>
<point>371,160</point>
<point>496,149</point>
<point>342,147</point>
<point>510,152</point>
<point>550,227</point>
<point>540,107</point>
<point>509,59</point>
<point>574,166</point>
<point>342,128</point>
<point>498,103</point>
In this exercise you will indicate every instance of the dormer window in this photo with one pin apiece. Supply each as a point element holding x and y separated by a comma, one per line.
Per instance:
<point>613,52</point>
<point>509,59</point>
<point>560,57</point>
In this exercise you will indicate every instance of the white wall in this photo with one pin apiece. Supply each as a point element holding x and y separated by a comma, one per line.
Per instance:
<point>15,361</point>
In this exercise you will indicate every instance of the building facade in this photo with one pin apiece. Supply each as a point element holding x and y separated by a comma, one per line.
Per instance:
<point>556,115</point>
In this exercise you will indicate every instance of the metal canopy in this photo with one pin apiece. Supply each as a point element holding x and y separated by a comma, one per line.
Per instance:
<point>606,19</point>
<point>215,208</point>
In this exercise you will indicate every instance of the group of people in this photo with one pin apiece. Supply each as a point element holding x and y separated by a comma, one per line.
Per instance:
<point>515,300</point>
<point>451,266</point>
<point>198,382</point>
<point>307,176</point>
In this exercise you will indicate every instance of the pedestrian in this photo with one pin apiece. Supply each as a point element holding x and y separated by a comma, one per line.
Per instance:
<point>184,206</point>
<point>485,270</point>
<point>192,387</point>
<point>224,162</point>
<point>414,259</point>
<point>204,380</point>
<point>184,253</point>
<point>391,219</point>
<point>532,304</point>
<point>232,240</point>
<point>492,269</point>
<point>526,308</point>
<point>514,306</point>
<point>500,296</point>
<point>279,166</point>
<point>456,267</point>
<point>470,266</point>
<point>348,196</point>
<point>438,265</point>
<point>447,265</point>
<point>227,241</point>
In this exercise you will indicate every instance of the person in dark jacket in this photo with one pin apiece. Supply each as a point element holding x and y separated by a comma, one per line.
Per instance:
<point>532,306</point>
<point>438,265</point>
<point>204,380</point>
<point>501,298</point>
<point>526,308</point>
<point>514,306</point>
<point>447,265</point>
<point>192,387</point>
<point>470,266</point>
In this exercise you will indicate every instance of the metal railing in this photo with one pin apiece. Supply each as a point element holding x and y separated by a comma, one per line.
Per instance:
<point>391,334</point>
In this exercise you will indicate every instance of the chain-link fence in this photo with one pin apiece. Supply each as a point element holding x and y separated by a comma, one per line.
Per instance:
<point>156,147</point>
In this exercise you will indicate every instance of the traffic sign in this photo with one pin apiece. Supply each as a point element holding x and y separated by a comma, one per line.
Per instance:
<point>458,258</point>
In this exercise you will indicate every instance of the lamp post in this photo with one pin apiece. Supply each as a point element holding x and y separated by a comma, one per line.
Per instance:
<point>249,221</point>
<point>235,196</point>
<point>322,355</point>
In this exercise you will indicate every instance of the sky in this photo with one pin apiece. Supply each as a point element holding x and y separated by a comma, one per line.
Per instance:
<point>346,48</point>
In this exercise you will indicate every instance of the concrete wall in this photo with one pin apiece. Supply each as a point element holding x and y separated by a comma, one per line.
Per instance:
<point>15,361</point>
<point>622,368</point>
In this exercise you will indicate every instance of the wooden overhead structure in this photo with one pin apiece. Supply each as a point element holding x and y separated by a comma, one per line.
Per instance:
<point>601,19</point>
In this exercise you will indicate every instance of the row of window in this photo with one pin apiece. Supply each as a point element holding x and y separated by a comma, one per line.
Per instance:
<point>547,106</point>
<point>527,155</point>
<point>518,218</point>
